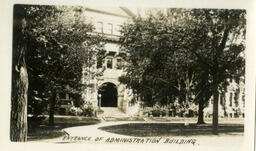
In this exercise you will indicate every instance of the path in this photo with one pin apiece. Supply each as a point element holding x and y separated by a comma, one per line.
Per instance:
<point>209,143</point>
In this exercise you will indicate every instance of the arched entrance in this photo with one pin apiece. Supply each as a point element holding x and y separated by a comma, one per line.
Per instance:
<point>108,92</point>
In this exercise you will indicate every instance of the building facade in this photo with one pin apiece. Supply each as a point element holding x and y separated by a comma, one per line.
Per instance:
<point>231,100</point>
<point>107,91</point>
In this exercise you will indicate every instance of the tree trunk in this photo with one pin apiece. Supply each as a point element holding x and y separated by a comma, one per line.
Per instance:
<point>18,123</point>
<point>52,108</point>
<point>19,105</point>
<point>215,111</point>
<point>200,119</point>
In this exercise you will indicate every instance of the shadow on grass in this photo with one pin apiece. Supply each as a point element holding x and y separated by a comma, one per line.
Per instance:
<point>38,131</point>
<point>172,129</point>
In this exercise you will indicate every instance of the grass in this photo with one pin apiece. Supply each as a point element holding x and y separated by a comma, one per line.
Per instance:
<point>194,120</point>
<point>44,131</point>
<point>113,119</point>
<point>172,129</point>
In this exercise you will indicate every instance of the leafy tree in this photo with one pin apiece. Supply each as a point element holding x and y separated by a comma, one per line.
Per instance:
<point>217,40</point>
<point>212,41</point>
<point>57,46</point>
<point>157,67</point>
<point>147,49</point>
<point>65,50</point>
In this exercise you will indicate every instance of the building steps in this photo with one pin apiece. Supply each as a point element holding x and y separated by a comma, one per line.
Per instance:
<point>111,112</point>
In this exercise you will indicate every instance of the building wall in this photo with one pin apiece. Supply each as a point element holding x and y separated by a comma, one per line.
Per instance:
<point>107,22</point>
<point>231,101</point>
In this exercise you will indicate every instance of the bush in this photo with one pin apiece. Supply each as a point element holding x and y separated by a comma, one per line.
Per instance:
<point>88,110</point>
<point>189,110</point>
<point>75,111</point>
<point>85,110</point>
<point>157,110</point>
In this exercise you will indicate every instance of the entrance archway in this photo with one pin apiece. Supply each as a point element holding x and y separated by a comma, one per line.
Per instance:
<point>108,92</point>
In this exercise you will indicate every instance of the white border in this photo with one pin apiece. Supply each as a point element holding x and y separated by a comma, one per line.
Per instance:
<point>5,66</point>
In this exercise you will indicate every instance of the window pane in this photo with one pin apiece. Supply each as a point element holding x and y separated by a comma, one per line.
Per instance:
<point>109,28</point>
<point>99,27</point>
<point>117,29</point>
<point>109,63</point>
<point>119,64</point>
<point>99,63</point>
<point>230,99</point>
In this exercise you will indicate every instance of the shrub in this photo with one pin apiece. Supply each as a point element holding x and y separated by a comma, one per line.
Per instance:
<point>188,110</point>
<point>75,111</point>
<point>157,110</point>
<point>156,113</point>
<point>88,110</point>
<point>147,111</point>
<point>85,110</point>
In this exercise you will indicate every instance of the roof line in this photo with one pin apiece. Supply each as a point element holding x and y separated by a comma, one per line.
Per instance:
<point>107,13</point>
<point>129,12</point>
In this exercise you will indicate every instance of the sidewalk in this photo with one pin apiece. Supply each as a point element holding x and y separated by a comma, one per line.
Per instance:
<point>232,143</point>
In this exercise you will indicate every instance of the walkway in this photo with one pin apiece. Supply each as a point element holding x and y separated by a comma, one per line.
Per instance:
<point>88,134</point>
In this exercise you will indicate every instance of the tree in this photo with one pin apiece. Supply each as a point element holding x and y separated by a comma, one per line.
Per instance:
<point>19,79</point>
<point>217,39</point>
<point>157,66</point>
<point>147,45</point>
<point>213,38</point>
<point>65,49</point>
<point>55,43</point>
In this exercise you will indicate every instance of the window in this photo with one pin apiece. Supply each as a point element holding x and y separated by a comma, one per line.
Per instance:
<point>99,27</point>
<point>119,63</point>
<point>243,99</point>
<point>117,29</point>
<point>230,99</point>
<point>109,63</point>
<point>109,28</point>
<point>222,98</point>
<point>99,63</point>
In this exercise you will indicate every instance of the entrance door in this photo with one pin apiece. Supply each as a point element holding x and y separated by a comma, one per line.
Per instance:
<point>108,93</point>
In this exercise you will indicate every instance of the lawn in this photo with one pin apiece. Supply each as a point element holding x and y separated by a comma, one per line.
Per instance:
<point>113,119</point>
<point>44,131</point>
<point>172,129</point>
<point>194,120</point>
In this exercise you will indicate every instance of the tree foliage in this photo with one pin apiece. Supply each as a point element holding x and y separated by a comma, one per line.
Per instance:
<point>60,48</point>
<point>61,45</point>
<point>184,53</point>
